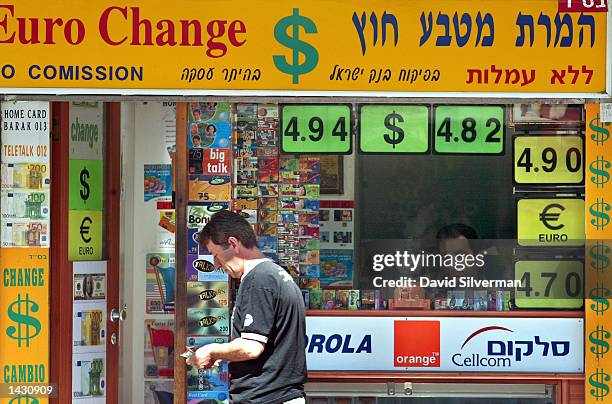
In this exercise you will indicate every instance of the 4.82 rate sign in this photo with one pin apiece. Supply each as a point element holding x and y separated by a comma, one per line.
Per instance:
<point>318,129</point>
<point>469,129</point>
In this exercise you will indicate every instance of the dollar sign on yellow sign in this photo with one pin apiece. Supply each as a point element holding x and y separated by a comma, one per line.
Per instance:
<point>598,316</point>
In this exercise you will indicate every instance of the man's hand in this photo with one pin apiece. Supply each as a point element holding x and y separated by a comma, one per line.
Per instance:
<point>238,350</point>
<point>204,357</point>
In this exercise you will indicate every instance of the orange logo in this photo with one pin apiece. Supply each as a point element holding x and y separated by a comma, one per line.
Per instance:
<point>416,344</point>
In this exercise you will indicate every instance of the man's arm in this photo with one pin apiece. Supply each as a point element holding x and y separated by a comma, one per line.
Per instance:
<point>238,350</point>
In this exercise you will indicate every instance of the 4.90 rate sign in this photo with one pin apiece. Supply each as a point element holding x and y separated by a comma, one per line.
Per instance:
<point>469,129</point>
<point>548,160</point>
<point>323,128</point>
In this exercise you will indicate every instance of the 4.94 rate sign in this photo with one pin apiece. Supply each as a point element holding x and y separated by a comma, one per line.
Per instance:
<point>323,128</point>
<point>469,129</point>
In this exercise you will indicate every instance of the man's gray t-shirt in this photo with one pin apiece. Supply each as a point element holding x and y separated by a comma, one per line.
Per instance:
<point>269,309</point>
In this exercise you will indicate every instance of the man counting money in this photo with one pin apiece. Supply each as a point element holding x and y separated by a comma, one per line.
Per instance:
<point>267,360</point>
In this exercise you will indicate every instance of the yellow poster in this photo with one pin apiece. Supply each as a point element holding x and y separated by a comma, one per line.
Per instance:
<point>24,318</point>
<point>598,292</point>
<point>473,46</point>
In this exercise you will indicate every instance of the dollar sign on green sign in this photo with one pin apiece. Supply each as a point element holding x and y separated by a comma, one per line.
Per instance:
<point>397,134</point>
<point>599,252</point>
<point>601,134</point>
<point>599,380</point>
<point>599,209</point>
<point>599,338</point>
<point>292,41</point>
<point>600,295</point>
<point>600,168</point>
<point>28,327</point>
<point>85,191</point>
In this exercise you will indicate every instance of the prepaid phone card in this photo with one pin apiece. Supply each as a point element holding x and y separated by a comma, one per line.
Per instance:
<point>29,205</point>
<point>25,176</point>
<point>199,213</point>
<point>267,243</point>
<point>89,287</point>
<point>210,380</point>
<point>207,397</point>
<point>201,268</point>
<point>245,203</point>
<point>89,327</point>
<point>89,377</point>
<point>210,321</point>
<point>246,191</point>
<point>160,268</point>
<point>201,295</point>
<point>209,111</point>
<point>209,135</point>
<point>209,188</point>
<point>250,215</point>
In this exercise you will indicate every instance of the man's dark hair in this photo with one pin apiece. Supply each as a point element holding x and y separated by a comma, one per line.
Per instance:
<point>196,137</point>
<point>226,224</point>
<point>456,230</point>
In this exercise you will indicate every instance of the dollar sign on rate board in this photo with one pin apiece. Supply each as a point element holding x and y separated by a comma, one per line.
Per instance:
<point>85,190</point>
<point>599,168</point>
<point>599,381</point>
<point>600,295</point>
<point>602,134</point>
<point>293,42</point>
<point>598,210</point>
<point>599,338</point>
<point>397,134</point>
<point>599,252</point>
<point>28,327</point>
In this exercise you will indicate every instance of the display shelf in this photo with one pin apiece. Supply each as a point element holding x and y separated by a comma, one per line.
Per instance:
<point>447,313</point>
<point>460,377</point>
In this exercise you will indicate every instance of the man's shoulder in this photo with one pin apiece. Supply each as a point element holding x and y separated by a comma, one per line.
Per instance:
<point>269,274</point>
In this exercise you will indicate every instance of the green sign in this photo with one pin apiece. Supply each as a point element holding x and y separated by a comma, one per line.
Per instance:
<point>549,160</point>
<point>324,128</point>
<point>549,284</point>
<point>394,129</point>
<point>86,184</point>
<point>84,235</point>
<point>469,129</point>
<point>550,222</point>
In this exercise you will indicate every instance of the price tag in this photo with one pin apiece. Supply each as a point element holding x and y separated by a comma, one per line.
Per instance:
<point>550,222</point>
<point>393,129</point>
<point>548,160</point>
<point>324,128</point>
<point>549,284</point>
<point>469,129</point>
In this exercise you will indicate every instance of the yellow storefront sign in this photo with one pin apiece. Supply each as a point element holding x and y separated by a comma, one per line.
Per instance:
<point>598,254</point>
<point>367,46</point>
<point>24,318</point>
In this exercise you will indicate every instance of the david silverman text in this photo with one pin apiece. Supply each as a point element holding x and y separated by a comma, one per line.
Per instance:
<point>447,282</point>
